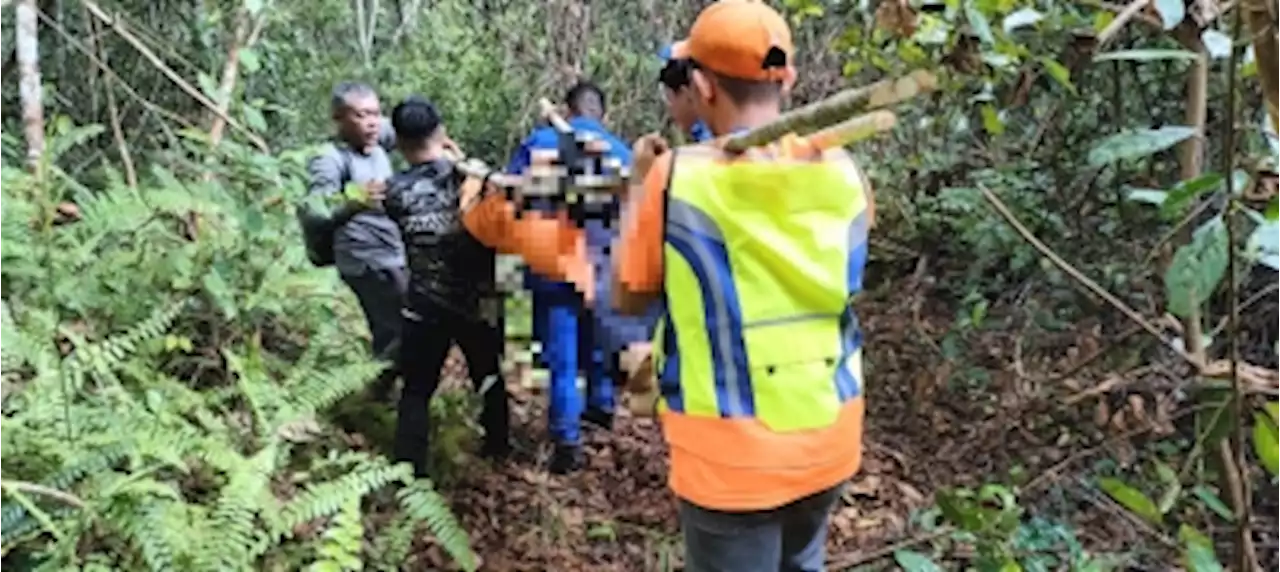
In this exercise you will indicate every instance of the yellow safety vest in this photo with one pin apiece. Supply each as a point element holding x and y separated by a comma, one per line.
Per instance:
<point>761,257</point>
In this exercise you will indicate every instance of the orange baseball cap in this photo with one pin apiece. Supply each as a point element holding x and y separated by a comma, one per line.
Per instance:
<point>744,39</point>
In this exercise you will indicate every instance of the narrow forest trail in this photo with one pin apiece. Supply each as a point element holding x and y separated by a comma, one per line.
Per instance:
<point>618,514</point>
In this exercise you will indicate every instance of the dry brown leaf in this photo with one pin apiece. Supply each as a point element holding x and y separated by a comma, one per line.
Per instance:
<point>910,494</point>
<point>865,486</point>
<point>1101,414</point>
<point>896,17</point>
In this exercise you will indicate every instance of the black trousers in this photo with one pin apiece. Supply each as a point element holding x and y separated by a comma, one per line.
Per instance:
<point>426,337</point>
<point>381,295</point>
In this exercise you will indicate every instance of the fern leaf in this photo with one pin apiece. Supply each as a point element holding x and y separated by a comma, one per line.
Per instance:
<point>327,498</point>
<point>421,501</point>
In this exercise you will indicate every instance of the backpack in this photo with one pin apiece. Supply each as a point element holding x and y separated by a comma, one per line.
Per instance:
<point>318,225</point>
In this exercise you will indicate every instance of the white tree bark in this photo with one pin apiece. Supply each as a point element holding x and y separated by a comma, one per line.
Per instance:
<point>28,52</point>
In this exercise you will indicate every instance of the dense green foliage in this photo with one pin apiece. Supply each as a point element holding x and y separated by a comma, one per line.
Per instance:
<point>166,353</point>
<point>170,358</point>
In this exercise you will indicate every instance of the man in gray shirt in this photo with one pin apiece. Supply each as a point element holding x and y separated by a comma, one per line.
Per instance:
<point>368,251</point>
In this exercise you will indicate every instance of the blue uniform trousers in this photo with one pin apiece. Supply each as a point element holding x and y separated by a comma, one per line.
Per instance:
<point>566,331</point>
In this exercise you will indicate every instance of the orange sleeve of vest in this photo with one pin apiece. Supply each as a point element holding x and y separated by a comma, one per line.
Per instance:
<point>639,261</point>
<point>551,246</point>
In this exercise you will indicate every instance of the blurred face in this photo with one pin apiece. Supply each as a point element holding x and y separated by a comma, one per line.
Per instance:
<point>360,120</point>
<point>682,106</point>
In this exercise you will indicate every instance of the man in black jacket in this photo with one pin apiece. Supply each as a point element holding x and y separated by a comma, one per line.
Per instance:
<point>451,295</point>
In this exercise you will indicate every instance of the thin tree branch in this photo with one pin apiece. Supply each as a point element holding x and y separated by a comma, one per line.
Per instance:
<point>119,27</point>
<point>1237,482</point>
<point>113,112</point>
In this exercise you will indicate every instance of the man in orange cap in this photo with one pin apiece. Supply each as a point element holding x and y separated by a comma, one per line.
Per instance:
<point>756,257</point>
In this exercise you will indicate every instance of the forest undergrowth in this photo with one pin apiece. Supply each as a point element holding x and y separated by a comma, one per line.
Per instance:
<point>171,363</point>
<point>1077,233</point>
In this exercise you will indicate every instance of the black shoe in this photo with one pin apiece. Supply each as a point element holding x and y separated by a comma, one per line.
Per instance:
<point>599,417</point>
<point>566,459</point>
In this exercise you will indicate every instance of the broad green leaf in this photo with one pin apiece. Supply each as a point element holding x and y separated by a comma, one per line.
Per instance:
<point>1200,558</point>
<point>249,59</point>
<point>1189,536</point>
<point>981,27</point>
<point>1263,246</point>
<point>912,561</point>
<point>1021,18</point>
<point>254,119</point>
<point>1197,551</point>
<point>991,120</point>
<point>1173,488</point>
<point>1196,269</point>
<point>1171,12</point>
<point>1131,498</point>
<point>996,60</point>
<point>1133,144</point>
<point>1187,191</point>
<point>1216,43</point>
<point>1213,502</point>
<point>1146,55</point>
<point>1273,409</point>
<point>1149,196</point>
<point>1058,72</point>
<point>207,85</point>
<point>1272,212</point>
<point>1102,19</point>
<point>222,294</point>
<point>958,508</point>
<point>1266,442</point>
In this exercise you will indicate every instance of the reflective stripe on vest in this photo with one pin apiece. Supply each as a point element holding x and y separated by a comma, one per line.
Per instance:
<point>761,257</point>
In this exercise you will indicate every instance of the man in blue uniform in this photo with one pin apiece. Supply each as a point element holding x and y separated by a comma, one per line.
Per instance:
<point>565,329</point>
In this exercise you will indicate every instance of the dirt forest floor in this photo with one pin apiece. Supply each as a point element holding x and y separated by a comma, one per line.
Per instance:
<point>923,434</point>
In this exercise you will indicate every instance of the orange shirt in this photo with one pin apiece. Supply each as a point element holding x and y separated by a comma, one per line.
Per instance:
<point>549,244</point>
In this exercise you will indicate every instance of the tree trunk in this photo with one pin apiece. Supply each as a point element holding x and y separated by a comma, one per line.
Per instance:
<point>28,52</point>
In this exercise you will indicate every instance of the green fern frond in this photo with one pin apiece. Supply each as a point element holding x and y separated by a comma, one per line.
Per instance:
<point>14,519</point>
<point>233,521</point>
<point>343,539</point>
<point>392,544</point>
<point>421,501</point>
<point>326,388</point>
<point>104,356</point>
<point>9,358</point>
<point>327,498</point>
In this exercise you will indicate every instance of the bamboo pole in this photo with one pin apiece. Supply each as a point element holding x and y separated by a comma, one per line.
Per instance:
<point>836,108</point>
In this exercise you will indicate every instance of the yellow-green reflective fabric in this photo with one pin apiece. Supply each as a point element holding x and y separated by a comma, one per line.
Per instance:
<point>760,258</point>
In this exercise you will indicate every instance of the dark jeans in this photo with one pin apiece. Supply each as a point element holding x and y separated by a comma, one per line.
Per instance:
<point>381,295</point>
<point>426,339</point>
<point>790,538</point>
